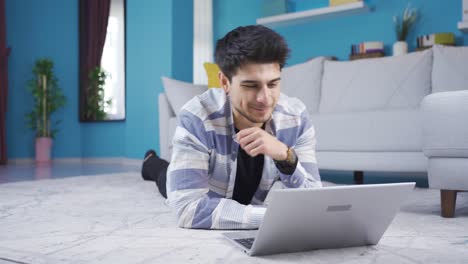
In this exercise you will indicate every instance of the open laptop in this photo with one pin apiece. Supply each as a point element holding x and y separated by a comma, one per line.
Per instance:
<point>328,217</point>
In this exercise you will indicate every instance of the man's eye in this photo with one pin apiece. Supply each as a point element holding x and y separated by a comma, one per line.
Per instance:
<point>272,85</point>
<point>250,86</point>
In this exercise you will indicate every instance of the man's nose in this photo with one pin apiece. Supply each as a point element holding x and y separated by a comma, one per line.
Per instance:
<point>263,95</point>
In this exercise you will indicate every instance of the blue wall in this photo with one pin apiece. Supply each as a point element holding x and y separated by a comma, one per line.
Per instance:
<point>38,29</point>
<point>149,49</point>
<point>49,28</point>
<point>333,36</point>
<point>228,14</point>
<point>182,40</point>
<point>159,42</point>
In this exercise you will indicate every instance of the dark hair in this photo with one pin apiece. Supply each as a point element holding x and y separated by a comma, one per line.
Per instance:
<point>250,44</point>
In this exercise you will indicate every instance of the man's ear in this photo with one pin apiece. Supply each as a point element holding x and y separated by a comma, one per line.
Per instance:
<point>224,81</point>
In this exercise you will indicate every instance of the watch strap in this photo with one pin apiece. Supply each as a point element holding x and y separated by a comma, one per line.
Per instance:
<point>288,166</point>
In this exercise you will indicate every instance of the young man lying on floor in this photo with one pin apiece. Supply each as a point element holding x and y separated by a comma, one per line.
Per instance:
<point>232,144</point>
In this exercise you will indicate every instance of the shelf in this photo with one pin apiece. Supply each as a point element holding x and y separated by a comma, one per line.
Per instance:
<point>314,14</point>
<point>463,26</point>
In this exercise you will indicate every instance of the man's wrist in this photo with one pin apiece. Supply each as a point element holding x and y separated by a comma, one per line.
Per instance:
<point>283,153</point>
<point>288,165</point>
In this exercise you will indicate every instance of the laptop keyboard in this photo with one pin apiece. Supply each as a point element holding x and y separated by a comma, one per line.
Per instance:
<point>246,242</point>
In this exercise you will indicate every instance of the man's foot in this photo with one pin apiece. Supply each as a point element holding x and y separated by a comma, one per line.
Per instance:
<point>148,155</point>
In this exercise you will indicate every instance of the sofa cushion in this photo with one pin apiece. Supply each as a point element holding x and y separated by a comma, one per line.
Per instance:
<point>304,81</point>
<point>450,69</point>
<point>212,70</point>
<point>178,92</point>
<point>445,124</point>
<point>376,84</point>
<point>392,130</point>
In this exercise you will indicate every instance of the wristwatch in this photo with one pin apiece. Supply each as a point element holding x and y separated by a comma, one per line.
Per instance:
<point>287,166</point>
<point>291,157</point>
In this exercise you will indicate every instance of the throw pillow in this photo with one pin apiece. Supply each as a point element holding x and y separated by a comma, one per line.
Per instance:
<point>450,69</point>
<point>212,70</point>
<point>178,92</point>
<point>303,81</point>
<point>376,84</point>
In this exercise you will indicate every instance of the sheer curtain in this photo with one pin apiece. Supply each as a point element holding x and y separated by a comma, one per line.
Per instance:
<point>113,61</point>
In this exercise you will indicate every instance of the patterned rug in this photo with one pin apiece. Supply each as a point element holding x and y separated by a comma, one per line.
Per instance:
<point>119,218</point>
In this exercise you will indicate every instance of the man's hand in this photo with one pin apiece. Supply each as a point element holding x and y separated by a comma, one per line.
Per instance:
<point>255,141</point>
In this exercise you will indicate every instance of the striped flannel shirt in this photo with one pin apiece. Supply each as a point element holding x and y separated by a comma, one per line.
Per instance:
<point>202,171</point>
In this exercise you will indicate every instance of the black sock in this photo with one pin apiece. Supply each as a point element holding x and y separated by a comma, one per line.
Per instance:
<point>155,169</point>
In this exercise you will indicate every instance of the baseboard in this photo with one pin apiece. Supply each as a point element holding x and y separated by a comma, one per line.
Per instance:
<point>106,161</point>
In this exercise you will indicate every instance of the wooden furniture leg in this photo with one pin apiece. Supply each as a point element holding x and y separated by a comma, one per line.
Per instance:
<point>358,177</point>
<point>448,199</point>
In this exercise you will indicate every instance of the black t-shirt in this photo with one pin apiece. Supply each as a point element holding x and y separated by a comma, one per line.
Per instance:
<point>248,176</point>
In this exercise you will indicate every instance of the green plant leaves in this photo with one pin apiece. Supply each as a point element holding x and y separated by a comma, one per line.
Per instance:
<point>95,102</point>
<point>405,23</point>
<point>48,98</point>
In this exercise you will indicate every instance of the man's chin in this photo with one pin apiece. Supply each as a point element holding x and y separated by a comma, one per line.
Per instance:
<point>255,118</point>
<point>259,119</point>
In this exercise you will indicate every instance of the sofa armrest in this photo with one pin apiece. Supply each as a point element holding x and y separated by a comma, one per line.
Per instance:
<point>445,124</point>
<point>165,113</point>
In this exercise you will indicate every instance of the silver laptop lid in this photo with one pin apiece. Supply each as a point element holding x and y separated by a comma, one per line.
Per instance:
<point>329,217</point>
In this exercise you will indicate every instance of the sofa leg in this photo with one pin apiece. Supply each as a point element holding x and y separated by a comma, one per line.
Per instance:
<point>358,177</point>
<point>448,199</point>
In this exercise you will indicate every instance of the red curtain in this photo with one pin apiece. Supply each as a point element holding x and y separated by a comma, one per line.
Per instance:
<point>94,15</point>
<point>4,52</point>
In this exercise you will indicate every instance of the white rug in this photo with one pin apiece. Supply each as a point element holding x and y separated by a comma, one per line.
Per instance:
<point>120,218</point>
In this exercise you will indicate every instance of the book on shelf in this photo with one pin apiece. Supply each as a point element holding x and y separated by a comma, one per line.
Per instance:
<point>342,2</point>
<point>367,47</point>
<point>427,41</point>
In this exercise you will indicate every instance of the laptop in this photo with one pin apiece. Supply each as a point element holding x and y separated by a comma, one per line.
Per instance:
<point>324,218</point>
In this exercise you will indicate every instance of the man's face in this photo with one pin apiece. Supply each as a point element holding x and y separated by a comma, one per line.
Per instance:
<point>254,92</point>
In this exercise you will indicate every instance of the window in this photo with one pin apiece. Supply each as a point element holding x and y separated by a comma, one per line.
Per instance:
<point>113,61</point>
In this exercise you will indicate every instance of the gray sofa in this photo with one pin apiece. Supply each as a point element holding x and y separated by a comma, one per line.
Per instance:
<point>366,113</point>
<point>445,138</point>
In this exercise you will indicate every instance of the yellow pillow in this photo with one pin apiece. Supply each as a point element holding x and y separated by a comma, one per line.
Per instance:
<point>212,70</point>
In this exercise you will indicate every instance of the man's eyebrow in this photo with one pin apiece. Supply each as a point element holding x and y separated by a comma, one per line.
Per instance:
<point>249,81</point>
<point>254,82</point>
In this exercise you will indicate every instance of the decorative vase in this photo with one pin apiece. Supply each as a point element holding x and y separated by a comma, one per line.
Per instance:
<point>43,149</point>
<point>400,48</point>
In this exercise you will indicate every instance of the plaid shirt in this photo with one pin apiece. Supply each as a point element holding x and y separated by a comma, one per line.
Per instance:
<point>201,175</point>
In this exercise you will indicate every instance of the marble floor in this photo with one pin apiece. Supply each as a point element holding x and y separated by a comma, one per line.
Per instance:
<point>29,171</point>
<point>105,213</point>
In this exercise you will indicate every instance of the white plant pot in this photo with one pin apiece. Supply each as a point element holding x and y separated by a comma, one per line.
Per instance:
<point>400,48</point>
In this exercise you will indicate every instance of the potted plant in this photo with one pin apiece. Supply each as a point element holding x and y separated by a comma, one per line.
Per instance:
<point>403,25</point>
<point>95,102</point>
<point>48,97</point>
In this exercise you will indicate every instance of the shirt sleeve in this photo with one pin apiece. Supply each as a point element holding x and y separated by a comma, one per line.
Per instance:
<point>189,194</point>
<point>306,173</point>
<point>285,167</point>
